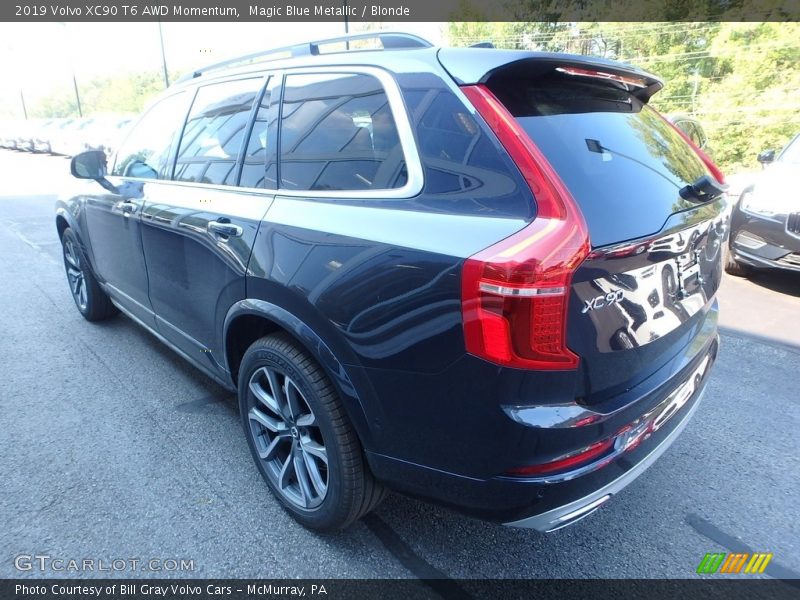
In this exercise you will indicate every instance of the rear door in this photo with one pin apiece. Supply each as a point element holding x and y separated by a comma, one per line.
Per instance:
<point>198,229</point>
<point>645,294</point>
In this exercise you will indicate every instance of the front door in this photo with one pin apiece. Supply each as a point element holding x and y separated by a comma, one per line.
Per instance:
<point>113,220</point>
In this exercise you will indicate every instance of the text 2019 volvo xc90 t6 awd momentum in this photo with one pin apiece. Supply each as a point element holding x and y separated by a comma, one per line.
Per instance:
<point>482,277</point>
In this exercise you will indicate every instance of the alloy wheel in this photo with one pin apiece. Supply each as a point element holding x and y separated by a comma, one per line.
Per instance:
<point>287,438</point>
<point>77,280</point>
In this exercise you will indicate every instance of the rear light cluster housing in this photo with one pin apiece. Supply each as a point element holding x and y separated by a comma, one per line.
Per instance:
<point>515,294</point>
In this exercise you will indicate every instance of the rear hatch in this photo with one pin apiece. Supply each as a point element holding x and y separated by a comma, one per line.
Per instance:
<point>642,296</point>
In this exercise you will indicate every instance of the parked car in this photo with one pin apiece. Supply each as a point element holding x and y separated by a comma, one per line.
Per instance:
<point>70,139</point>
<point>693,130</point>
<point>483,277</point>
<point>8,134</point>
<point>42,133</point>
<point>5,131</point>
<point>765,227</point>
<point>25,134</point>
<point>53,134</point>
<point>104,132</point>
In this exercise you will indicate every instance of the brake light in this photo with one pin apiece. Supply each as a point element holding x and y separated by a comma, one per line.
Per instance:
<point>566,463</point>
<point>714,169</point>
<point>515,294</point>
<point>634,81</point>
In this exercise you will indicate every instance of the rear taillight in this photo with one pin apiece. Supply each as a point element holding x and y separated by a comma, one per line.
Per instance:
<point>566,463</point>
<point>713,169</point>
<point>515,294</point>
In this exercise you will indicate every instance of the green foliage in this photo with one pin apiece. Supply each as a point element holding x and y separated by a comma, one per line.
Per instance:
<point>756,100</point>
<point>740,80</point>
<point>127,93</point>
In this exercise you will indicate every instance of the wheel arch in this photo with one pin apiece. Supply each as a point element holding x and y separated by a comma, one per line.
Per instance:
<point>251,319</point>
<point>65,219</point>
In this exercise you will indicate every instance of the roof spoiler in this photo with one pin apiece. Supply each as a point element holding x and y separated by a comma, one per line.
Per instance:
<point>470,66</point>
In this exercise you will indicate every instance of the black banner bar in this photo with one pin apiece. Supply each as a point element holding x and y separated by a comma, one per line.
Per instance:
<point>401,589</point>
<point>398,10</point>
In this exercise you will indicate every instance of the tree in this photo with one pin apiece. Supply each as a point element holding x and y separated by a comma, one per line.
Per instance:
<point>127,93</point>
<point>753,103</point>
<point>740,80</point>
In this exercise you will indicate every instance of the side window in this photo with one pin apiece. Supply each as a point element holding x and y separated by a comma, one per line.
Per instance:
<point>338,133</point>
<point>699,135</point>
<point>692,130</point>
<point>145,152</point>
<point>212,139</point>
<point>259,168</point>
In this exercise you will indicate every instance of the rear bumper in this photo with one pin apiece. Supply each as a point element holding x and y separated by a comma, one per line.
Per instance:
<point>549,502</point>
<point>582,507</point>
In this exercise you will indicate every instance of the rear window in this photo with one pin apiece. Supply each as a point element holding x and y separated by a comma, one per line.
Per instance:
<point>791,154</point>
<point>622,162</point>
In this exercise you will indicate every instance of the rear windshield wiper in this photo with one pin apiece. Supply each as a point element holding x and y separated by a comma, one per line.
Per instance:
<point>704,189</point>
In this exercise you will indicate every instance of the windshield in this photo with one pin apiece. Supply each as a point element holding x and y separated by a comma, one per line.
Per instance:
<point>791,154</point>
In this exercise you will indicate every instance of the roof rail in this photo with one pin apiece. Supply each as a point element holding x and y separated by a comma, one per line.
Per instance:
<point>390,40</point>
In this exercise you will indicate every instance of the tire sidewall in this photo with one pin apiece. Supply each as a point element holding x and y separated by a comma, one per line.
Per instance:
<point>733,266</point>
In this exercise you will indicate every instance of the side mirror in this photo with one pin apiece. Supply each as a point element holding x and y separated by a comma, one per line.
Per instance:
<point>89,165</point>
<point>766,157</point>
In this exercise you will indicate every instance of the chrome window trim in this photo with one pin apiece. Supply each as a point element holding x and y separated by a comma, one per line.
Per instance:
<point>414,183</point>
<point>192,184</point>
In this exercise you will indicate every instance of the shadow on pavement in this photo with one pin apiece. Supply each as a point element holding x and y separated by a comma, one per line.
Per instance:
<point>784,282</point>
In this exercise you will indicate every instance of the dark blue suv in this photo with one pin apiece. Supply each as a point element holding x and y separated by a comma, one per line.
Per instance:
<point>482,277</point>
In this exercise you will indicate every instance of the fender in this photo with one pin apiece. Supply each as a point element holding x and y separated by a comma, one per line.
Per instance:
<point>68,210</point>
<point>63,212</point>
<point>339,373</point>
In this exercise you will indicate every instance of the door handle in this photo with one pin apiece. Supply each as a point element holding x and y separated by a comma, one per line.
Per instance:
<point>227,229</point>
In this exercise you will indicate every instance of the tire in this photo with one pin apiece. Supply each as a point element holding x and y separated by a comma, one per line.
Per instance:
<point>733,267</point>
<point>290,431</point>
<point>90,299</point>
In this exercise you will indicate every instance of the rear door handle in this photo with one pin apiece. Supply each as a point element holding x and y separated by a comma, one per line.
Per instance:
<point>226,229</point>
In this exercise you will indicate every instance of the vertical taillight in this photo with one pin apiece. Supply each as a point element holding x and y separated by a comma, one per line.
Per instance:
<point>515,294</point>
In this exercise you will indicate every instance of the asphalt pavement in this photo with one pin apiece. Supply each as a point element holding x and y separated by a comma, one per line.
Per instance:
<point>114,448</point>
